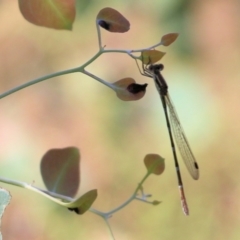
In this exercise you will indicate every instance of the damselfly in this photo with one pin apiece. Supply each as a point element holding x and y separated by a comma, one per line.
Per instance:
<point>154,71</point>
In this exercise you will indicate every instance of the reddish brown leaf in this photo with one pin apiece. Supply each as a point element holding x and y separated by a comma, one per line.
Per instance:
<point>58,14</point>
<point>151,56</point>
<point>113,21</point>
<point>154,163</point>
<point>60,170</point>
<point>169,39</point>
<point>128,90</point>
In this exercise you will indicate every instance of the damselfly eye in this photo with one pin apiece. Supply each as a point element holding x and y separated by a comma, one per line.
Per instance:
<point>160,67</point>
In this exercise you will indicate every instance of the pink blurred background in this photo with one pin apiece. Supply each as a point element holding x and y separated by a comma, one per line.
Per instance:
<point>203,75</point>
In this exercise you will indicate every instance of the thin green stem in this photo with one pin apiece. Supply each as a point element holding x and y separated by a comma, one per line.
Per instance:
<point>99,80</point>
<point>148,48</point>
<point>81,68</point>
<point>141,183</point>
<point>109,228</point>
<point>122,205</point>
<point>132,197</point>
<point>131,51</point>
<point>100,52</point>
<point>37,80</point>
<point>45,193</point>
<point>13,182</point>
<point>53,195</point>
<point>99,35</point>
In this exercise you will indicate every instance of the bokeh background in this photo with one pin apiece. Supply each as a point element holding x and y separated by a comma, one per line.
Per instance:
<point>203,72</point>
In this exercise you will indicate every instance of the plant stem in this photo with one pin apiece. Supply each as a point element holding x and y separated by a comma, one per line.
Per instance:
<point>37,80</point>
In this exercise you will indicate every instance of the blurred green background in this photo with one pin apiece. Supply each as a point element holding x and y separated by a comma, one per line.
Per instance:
<point>203,73</point>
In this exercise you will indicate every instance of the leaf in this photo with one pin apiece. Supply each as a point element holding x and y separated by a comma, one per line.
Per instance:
<point>151,56</point>
<point>169,39</point>
<point>82,204</point>
<point>128,90</point>
<point>156,202</point>
<point>5,198</point>
<point>113,21</point>
<point>58,14</point>
<point>154,163</point>
<point>60,170</point>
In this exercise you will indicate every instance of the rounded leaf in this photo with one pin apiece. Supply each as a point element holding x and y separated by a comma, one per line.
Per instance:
<point>82,204</point>
<point>151,56</point>
<point>156,202</point>
<point>58,14</point>
<point>113,21</point>
<point>60,170</point>
<point>154,163</point>
<point>128,90</point>
<point>169,39</point>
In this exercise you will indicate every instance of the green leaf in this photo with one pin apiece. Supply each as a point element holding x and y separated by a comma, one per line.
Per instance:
<point>82,204</point>
<point>58,14</point>
<point>154,163</point>
<point>60,170</point>
<point>113,21</point>
<point>151,56</point>
<point>156,202</point>
<point>79,205</point>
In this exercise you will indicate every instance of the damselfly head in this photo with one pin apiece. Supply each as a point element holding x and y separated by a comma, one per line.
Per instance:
<point>156,67</point>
